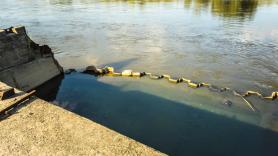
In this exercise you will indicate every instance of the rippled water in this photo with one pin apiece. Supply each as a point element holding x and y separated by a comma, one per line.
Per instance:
<point>228,43</point>
<point>233,43</point>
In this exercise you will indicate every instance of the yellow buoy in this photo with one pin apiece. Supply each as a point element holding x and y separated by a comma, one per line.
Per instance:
<point>193,85</point>
<point>110,69</point>
<point>127,73</point>
<point>136,74</point>
<point>186,80</point>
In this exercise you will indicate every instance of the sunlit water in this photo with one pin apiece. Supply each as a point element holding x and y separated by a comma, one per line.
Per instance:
<point>226,43</point>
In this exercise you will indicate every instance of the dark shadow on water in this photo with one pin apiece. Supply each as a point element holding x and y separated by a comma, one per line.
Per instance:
<point>48,91</point>
<point>168,126</point>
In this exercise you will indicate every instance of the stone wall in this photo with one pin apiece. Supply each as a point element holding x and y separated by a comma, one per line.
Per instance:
<point>23,63</point>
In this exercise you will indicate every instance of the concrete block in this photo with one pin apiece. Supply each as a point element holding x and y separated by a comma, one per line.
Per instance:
<point>23,63</point>
<point>2,33</point>
<point>34,73</point>
<point>7,76</point>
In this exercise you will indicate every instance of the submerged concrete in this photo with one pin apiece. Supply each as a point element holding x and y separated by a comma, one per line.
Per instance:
<point>40,128</point>
<point>23,63</point>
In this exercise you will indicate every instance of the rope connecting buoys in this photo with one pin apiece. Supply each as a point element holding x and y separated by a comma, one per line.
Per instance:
<point>273,96</point>
<point>109,71</point>
<point>247,102</point>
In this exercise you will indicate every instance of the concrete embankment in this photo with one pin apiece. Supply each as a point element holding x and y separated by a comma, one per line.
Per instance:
<point>37,127</point>
<point>23,63</point>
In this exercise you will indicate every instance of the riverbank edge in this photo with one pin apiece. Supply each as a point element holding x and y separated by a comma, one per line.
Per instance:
<point>37,127</point>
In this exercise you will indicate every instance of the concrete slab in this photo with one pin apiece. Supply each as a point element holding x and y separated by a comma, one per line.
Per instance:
<point>41,128</point>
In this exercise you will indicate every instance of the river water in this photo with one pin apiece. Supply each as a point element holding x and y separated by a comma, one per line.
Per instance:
<point>232,43</point>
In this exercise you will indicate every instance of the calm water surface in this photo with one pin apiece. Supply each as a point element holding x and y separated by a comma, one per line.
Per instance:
<point>228,43</point>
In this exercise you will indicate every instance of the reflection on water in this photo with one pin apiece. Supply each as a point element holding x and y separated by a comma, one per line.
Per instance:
<point>245,8</point>
<point>226,8</point>
<point>240,9</point>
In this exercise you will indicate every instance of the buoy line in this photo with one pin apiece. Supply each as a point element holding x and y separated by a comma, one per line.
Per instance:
<point>109,71</point>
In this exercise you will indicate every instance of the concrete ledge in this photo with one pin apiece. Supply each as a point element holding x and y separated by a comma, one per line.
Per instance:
<point>30,75</point>
<point>41,128</point>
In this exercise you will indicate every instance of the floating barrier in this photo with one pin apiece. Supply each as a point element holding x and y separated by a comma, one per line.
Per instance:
<point>109,71</point>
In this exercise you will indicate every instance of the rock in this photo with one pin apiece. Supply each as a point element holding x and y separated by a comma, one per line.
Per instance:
<point>227,103</point>
<point>91,70</point>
